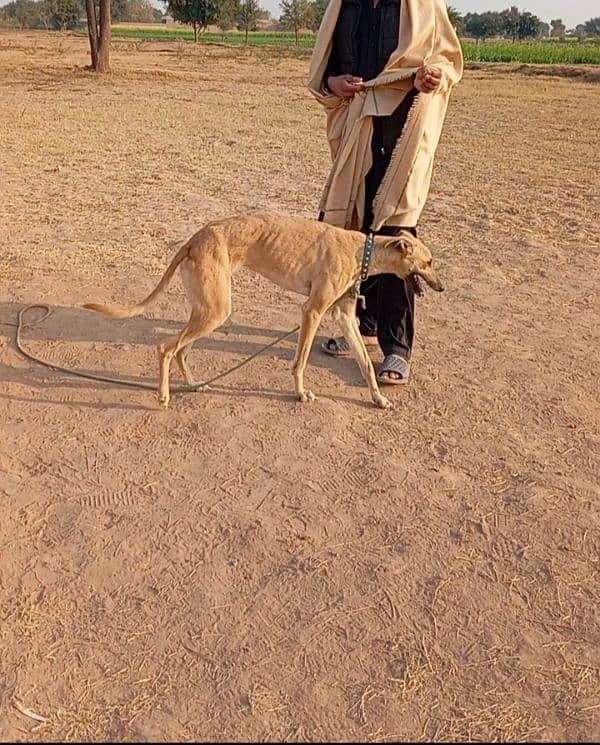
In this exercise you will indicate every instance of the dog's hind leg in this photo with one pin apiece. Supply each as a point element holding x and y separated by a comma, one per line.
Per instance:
<point>166,350</point>
<point>211,307</point>
<point>199,325</point>
<point>181,358</point>
<point>345,313</point>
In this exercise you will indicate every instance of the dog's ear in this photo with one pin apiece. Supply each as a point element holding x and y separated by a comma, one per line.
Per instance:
<point>403,243</point>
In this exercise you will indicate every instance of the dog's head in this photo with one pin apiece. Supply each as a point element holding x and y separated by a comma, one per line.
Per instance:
<point>416,259</point>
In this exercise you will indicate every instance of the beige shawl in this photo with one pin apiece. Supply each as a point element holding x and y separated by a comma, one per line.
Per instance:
<point>426,38</point>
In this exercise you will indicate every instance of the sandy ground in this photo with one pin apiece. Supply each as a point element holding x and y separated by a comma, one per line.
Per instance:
<point>246,567</point>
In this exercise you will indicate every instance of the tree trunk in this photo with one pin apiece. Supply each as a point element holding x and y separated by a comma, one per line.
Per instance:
<point>195,32</point>
<point>99,33</point>
<point>246,35</point>
<point>90,9</point>
<point>104,40</point>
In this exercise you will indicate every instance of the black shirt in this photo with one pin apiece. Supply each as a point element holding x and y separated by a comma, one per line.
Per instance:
<point>372,52</point>
<point>364,37</point>
<point>363,40</point>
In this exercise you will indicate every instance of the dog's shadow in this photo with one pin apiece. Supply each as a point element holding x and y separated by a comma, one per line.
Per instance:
<point>70,325</point>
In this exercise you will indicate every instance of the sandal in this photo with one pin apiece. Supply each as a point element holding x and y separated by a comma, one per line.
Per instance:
<point>393,363</point>
<point>339,347</point>
<point>336,347</point>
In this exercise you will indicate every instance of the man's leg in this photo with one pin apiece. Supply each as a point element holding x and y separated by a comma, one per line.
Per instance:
<point>367,315</point>
<point>395,316</point>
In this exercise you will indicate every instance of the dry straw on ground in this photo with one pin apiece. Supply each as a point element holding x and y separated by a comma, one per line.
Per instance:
<point>242,566</point>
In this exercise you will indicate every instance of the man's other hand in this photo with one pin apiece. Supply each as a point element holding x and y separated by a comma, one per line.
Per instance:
<point>427,79</point>
<point>344,86</point>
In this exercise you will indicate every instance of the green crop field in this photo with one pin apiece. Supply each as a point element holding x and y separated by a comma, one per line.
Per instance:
<point>257,38</point>
<point>536,52</point>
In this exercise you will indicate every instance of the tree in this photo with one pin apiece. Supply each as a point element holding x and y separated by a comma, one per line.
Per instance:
<point>456,18</point>
<point>295,15</point>
<point>247,15</point>
<point>139,11</point>
<point>196,13</point>
<point>558,29</point>
<point>316,12</point>
<point>592,27</point>
<point>510,22</point>
<point>517,25</point>
<point>63,14</point>
<point>543,30</point>
<point>226,14</point>
<point>44,12</point>
<point>118,10</point>
<point>98,21</point>
<point>483,25</point>
<point>23,14</point>
<point>529,26</point>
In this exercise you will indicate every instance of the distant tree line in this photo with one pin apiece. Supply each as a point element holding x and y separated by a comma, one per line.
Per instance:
<point>296,15</point>
<point>225,14</point>
<point>589,28</point>
<point>47,14</point>
<point>65,14</point>
<point>511,23</point>
<point>516,25</point>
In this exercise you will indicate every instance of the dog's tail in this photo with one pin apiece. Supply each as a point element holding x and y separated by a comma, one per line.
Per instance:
<point>128,311</point>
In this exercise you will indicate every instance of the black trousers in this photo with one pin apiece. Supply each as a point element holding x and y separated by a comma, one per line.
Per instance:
<point>390,301</point>
<point>389,312</point>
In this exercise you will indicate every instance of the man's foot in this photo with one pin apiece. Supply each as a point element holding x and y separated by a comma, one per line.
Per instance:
<point>394,370</point>
<point>339,347</point>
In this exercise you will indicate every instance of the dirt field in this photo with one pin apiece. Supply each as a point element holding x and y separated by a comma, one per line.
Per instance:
<point>245,567</point>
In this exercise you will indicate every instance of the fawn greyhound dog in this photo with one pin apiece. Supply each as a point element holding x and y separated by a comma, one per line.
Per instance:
<point>306,256</point>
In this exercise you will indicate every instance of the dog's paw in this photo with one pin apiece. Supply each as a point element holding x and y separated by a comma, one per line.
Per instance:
<point>163,401</point>
<point>382,402</point>
<point>307,397</point>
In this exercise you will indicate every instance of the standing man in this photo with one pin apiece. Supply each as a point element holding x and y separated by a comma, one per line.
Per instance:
<point>383,70</point>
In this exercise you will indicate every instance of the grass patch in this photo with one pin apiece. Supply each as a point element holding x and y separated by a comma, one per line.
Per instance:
<point>570,52</point>
<point>255,38</point>
<point>534,52</point>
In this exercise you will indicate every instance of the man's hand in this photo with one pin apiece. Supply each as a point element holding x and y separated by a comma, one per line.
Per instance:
<point>344,86</point>
<point>427,79</point>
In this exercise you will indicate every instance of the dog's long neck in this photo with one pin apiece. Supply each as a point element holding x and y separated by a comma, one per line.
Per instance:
<point>386,259</point>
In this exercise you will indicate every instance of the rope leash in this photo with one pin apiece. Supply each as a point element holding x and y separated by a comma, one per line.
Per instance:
<point>20,325</point>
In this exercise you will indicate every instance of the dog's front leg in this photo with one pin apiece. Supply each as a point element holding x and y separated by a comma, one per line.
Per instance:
<point>346,316</point>
<point>311,318</point>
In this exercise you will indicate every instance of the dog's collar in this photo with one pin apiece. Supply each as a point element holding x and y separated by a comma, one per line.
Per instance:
<point>364,269</point>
